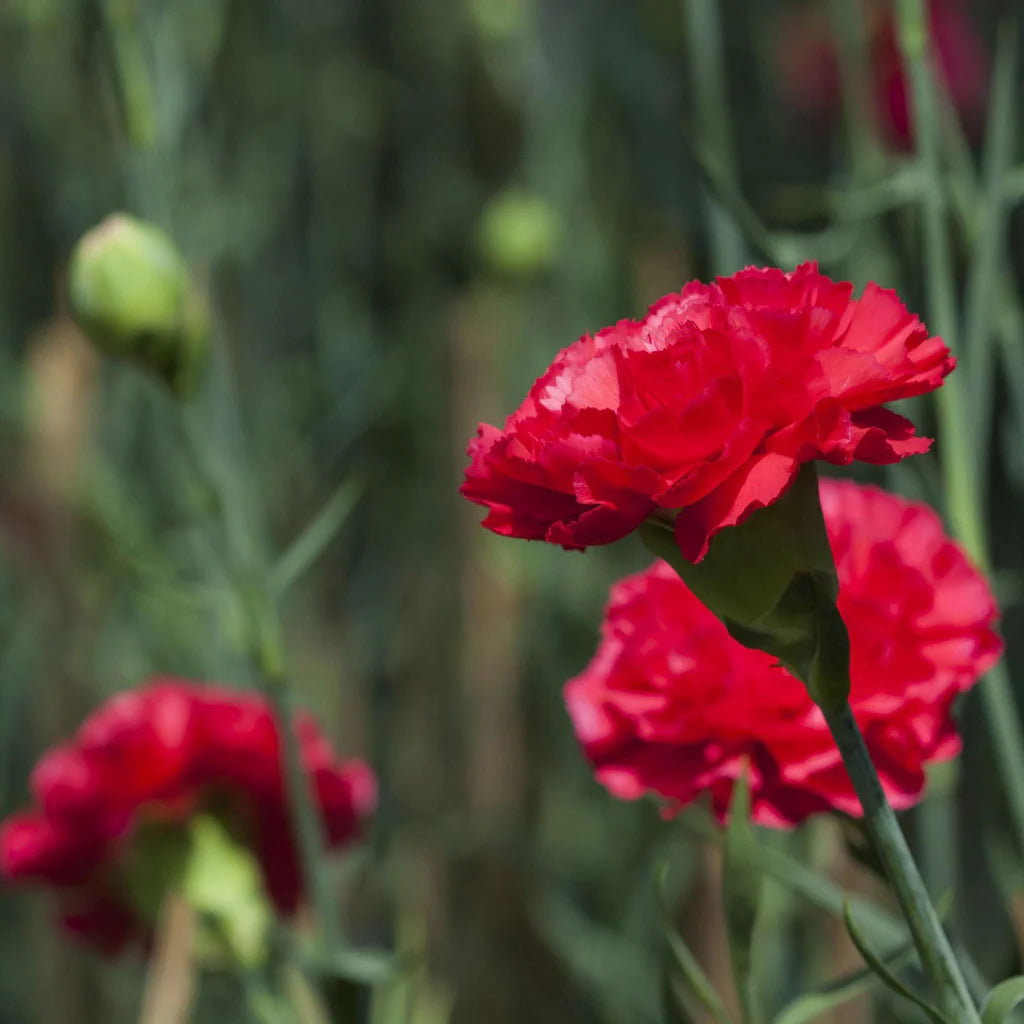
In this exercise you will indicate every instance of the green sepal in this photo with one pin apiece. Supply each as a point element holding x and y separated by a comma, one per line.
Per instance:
<point>216,874</point>
<point>772,582</point>
<point>224,883</point>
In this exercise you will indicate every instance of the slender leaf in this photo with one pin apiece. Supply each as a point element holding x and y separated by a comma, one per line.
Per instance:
<point>805,882</point>
<point>308,546</point>
<point>683,960</point>
<point>812,1005</point>
<point>1002,1000</point>
<point>884,974</point>
<point>980,299</point>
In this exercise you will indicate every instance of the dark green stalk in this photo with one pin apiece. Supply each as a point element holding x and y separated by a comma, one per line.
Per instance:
<point>850,33</point>
<point>958,459</point>
<point>229,477</point>
<point>962,482</point>
<point>704,42</point>
<point>306,822</point>
<point>252,580</point>
<point>983,280</point>
<point>932,945</point>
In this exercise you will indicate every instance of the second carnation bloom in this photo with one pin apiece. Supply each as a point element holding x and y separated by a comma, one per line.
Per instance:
<point>672,705</point>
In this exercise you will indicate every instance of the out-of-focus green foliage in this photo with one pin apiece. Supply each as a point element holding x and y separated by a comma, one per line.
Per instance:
<point>400,211</point>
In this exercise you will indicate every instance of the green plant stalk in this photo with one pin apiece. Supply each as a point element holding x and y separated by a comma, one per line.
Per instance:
<point>848,19</point>
<point>252,581</point>
<point>306,823</point>
<point>930,940</point>
<point>249,571</point>
<point>962,483</point>
<point>958,462</point>
<point>989,244</point>
<point>704,44</point>
<point>137,100</point>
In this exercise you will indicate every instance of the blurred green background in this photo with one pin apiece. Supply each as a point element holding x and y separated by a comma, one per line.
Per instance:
<point>400,211</point>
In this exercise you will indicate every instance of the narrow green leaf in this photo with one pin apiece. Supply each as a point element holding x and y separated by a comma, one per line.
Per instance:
<point>683,960</point>
<point>812,1005</point>
<point>980,304</point>
<point>675,999</point>
<point>806,883</point>
<point>617,972</point>
<point>741,894</point>
<point>310,544</point>
<point>884,974</point>
<point>1002,1000</point>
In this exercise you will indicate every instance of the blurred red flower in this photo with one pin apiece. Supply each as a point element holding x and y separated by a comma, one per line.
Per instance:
<point>707,406</point>
<point>804,53</point>
<point>156,756</point>
<point>671,704</point>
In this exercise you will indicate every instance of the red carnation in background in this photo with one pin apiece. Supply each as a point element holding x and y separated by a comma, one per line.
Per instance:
<point>708,406</point>
<point>807,64</point>
<point>156,756</point>
<point>671,704</point>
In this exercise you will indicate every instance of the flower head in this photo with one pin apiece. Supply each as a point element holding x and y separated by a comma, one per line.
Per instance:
<point>706,408</point>
<point>671,704</point>
<point>154,758</point>
<point>131,291</point>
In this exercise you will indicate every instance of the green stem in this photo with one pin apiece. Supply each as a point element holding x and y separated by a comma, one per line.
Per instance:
<point>848,19</point>
<point>932,945</point>
<point>962,481</point>
<point>252,579</point>
<point>307,825</point>
<point>704,41</point>
<point>133,80</point>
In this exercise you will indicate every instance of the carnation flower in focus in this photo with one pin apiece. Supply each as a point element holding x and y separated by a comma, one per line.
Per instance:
<point>141,770</point>
<point>705,410</point>
<point>672,705</point>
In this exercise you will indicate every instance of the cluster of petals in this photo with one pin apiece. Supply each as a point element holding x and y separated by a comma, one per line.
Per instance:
<point>706,407</point>
<point>672,705</point>
<point>156,756</point>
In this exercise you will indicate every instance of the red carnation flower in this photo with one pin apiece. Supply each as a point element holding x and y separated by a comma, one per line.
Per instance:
<point>671,704</point>
<point>708,406</point>
<point>157,755</point>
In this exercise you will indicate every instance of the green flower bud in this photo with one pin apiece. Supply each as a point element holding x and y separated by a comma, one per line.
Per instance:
<point>519,233</point>
<point>131,291</point>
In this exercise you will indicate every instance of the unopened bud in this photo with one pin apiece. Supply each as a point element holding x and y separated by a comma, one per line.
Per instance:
<point>520,233</point>
<point>131,291</point>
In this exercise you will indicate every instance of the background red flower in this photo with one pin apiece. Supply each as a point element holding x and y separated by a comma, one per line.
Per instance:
<point>671,704</point>
<point>154,756</point>
<point>807,64</point>
<point>708,405</point>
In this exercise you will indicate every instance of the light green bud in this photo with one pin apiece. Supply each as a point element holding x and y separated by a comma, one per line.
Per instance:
<point>132,293</point>
<point>520,233</point>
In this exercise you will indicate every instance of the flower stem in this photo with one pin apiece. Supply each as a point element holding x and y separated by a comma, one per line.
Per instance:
<point>228,476</point>
<point>957,424</point>
<point>932,945</point>
<point>704,42</point>
<point>306,824</point>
